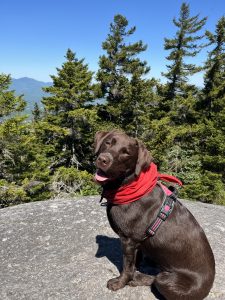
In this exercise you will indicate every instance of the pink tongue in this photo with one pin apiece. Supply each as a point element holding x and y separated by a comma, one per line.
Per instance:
<point>100,177</point>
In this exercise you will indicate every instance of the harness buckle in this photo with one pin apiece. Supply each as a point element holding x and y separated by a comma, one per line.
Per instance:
<point>165,211</point>
<point>163,215</point>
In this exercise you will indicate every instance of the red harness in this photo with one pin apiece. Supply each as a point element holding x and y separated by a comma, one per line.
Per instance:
<point>141,186</point>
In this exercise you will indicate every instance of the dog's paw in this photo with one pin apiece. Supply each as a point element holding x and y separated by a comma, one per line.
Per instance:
<point>115,284</point>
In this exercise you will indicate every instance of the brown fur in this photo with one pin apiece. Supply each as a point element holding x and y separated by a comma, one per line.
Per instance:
<point>180,247</point>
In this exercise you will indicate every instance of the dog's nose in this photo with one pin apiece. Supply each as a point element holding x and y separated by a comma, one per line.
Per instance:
<point>103,160</point>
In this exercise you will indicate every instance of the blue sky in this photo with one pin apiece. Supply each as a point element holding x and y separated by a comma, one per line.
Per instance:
<point>37,33</point>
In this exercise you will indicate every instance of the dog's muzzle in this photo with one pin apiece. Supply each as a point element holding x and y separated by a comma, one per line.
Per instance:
<point>104,161</point>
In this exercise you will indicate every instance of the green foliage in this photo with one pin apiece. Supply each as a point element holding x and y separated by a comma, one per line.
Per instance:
<point>36,112</point>
<point>11,194</point>
<point>37,191</point>
<point>186,165</point>
<point>213,98</point>
<point>188,137</point>
<point>208,188</point>
<point>13,132</point>
<point>73,182</point>
<point>211,105</point>
<point>21,159</point>
<point>9,103</point>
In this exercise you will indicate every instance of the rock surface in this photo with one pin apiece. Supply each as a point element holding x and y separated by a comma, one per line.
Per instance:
<point>65,249</point>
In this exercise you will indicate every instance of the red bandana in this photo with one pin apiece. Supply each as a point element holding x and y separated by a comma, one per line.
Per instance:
<point>141,186</point>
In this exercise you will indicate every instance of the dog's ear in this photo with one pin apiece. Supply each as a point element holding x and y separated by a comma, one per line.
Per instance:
<point>144,159</point>
<point>99,137</point>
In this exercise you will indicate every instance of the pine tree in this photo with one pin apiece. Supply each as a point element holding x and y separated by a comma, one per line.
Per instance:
<point>10,124</point>
<point>36,112</point>
<point>175,135</point>
<point>121,78</point>
<point>9,103</point>
<point>71,91</point>
<point>214,84</point>
<point>20,157</point>
<point>211,108</point>
<point>184,44</point>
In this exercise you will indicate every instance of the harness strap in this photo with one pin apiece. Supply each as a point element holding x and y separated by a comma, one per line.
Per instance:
<point>163,214</point>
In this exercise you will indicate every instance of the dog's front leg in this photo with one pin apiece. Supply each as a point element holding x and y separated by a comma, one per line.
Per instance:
<point>129,258</point>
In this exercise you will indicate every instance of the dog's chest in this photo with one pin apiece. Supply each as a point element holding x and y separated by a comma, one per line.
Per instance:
<point>126,220</point>
<point>118,220</point>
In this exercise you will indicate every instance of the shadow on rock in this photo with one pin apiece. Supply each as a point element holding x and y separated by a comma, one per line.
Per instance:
<point>110,248</point>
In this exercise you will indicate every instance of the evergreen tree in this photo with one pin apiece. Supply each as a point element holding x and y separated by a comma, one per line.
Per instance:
<point>211,108</point>
<point>36,112</point>
<point>72,90</point>
<point>20,156</point>
<point>214,90</point>
<point>184,44</point>
<point>121,78</point>
<point>9,103</point>
<point>175,134</point>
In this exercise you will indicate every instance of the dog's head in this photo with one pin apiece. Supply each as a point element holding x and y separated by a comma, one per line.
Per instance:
<point>119,156</point>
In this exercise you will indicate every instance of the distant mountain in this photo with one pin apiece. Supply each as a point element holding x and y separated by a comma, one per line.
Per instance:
<point>31,89</point>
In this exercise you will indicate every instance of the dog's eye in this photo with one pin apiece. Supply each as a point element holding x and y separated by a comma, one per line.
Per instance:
<point>107,143</point>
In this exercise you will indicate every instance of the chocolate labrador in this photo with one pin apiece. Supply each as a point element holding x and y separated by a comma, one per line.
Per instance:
<point>136,201</point>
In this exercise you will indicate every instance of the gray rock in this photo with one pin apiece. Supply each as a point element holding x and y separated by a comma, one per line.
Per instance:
<point>65,249</point>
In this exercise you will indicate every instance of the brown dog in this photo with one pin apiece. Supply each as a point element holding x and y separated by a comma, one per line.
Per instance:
<point>179,246</point>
